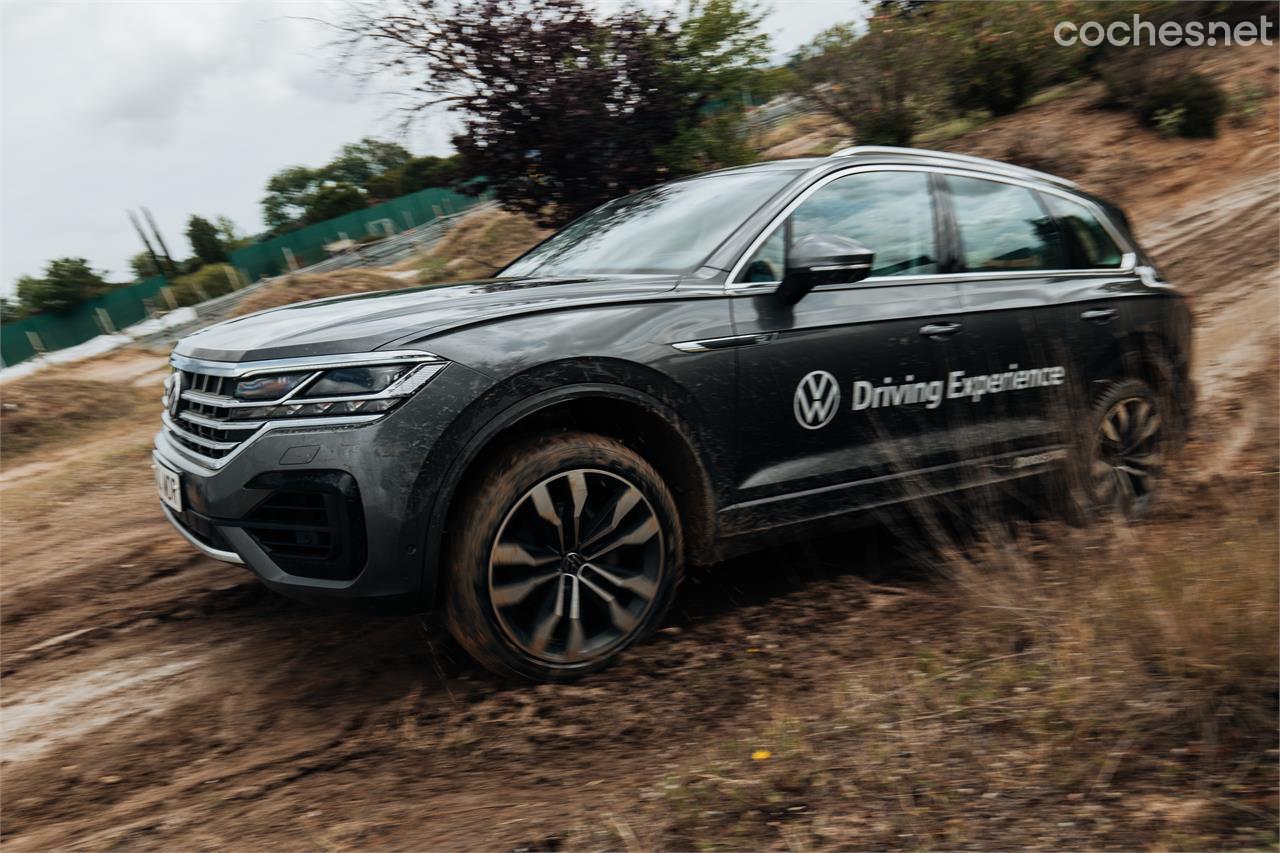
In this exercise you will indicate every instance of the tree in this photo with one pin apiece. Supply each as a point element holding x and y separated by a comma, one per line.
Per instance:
<point>205,243</point>
<point>10,310</point>
<point>230,235</point>
<point>66,283</point>
<point>143,265</point>
<point>287,194</point>
<point>334,199</point>
<point>562,110</point>
<point>418,173</point>
<point>871,81</point>
<point>359,162</point>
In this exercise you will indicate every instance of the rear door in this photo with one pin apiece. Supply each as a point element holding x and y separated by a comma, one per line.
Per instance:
<point>1009,386</point>
<point>1091,298</point>
<point>840,403</point>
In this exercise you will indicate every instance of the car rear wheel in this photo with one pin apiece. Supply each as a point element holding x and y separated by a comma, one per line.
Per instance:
<point>1126,450</point>
<point>566,551</point>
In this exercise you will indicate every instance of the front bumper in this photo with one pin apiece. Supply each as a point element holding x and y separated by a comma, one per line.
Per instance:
<point>380,465</point>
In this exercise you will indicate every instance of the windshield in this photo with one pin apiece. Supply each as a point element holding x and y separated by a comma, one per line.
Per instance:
<point>665,229</point>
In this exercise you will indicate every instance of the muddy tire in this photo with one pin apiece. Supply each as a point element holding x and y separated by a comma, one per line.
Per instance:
<point>566,550</point>
<point>1120,459</point>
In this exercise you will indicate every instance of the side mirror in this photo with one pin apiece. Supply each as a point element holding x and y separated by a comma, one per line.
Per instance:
<point>823,259</point>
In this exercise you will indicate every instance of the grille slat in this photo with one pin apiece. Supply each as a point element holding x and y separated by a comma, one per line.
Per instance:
<point>201,427</point>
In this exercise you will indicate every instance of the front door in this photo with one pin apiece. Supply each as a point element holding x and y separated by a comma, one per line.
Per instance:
<point>841,403</point>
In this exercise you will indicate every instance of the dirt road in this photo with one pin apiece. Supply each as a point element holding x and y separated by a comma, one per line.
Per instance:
<point>156,699</point>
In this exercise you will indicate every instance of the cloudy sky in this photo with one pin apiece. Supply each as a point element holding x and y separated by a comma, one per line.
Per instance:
<point>188,107</point>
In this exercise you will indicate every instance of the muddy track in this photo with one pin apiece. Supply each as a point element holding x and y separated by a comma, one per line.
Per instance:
<point>156,699</point>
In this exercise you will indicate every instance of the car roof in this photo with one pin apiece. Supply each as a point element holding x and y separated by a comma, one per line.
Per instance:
<point>885,154</point>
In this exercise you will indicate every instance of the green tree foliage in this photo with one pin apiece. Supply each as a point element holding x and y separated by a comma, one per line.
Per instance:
<point>417,173</point>
<point>205,283</point>
<point>334,199</point>
<point>11,310</point>
<point>995,54</point>
<point>205,242</point>
<point>371,168</point>
<point>229,234</point>
<point>360,162</point>
<point>288,192</point>
<point>563,108</point>
<point>143,265</point>
<point>872,82</point>
<point>65,284</point>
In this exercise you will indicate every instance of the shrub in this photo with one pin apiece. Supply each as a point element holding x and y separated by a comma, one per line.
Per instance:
<point>205,283</point>
<point>1187,104</point>
<point>888,126</point>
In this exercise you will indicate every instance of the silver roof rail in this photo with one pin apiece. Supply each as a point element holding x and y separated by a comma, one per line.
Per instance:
<point>960,159</point>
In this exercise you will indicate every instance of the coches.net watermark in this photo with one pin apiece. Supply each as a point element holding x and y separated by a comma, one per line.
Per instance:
<point>1137,33</point>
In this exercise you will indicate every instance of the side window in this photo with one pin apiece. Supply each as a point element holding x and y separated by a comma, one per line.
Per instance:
<point>890,213</point>
<point>1003,227</point>
<point>1091,247</point>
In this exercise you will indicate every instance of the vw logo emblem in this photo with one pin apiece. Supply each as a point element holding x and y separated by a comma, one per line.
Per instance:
<point>817,399</point>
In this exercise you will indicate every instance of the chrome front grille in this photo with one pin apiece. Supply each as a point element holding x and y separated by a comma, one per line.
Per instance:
<point>196,421</point>
<point>208,415</point>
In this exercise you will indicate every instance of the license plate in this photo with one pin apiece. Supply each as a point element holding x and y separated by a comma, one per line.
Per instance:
<point>169,485</point>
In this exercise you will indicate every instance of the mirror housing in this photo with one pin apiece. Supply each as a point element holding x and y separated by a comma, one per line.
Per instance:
<point>823,259</point>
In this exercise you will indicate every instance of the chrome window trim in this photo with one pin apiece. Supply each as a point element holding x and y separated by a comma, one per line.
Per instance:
<point>981,163</point>
<point>240,369</point>
<point>1127,260</point>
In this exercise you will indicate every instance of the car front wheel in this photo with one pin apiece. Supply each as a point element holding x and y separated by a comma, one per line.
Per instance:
<point>565,551</point>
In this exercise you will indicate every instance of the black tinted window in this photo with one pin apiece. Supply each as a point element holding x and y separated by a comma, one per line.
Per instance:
<point>890,213</point>
<point>1003,227</point>
<point>1090,244</point>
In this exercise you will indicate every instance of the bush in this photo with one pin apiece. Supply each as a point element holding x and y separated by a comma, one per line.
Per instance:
<point>1187,104</point>
<point>889,126</point>
<point>205,283</point>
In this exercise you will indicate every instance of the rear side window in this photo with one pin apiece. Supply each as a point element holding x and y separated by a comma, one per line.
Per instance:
<point>1089,246</point>
<point>890,213</point>
<point>1003,227</point>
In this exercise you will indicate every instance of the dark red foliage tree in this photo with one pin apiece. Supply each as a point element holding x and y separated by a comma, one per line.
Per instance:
<point>560,110</point>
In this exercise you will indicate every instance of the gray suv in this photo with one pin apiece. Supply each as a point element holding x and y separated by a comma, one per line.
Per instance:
<point>690,372</point>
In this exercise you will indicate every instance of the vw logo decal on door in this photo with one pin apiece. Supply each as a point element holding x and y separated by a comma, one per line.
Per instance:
<point>817,399</point>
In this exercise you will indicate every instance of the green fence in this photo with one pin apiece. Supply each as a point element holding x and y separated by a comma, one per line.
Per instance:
<point>125,306</point>
<point>306,245</point>
<point>109,312</point>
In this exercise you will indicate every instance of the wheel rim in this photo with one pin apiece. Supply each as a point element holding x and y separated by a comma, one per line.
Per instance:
<point>1128,454</point>
<point>576,566</point>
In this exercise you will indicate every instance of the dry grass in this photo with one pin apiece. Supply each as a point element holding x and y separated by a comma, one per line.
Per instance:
<point>47,409</point>
<point>300,288</point>
<point>482,243</point>
<point>807,135</point>
<point>1108,687</point>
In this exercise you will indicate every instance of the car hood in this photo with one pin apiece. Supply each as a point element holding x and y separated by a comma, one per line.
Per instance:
<point>370,321</point>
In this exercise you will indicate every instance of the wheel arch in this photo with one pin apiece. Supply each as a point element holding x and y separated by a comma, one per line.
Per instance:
<point>1146,355</point>
<point>630,403</point>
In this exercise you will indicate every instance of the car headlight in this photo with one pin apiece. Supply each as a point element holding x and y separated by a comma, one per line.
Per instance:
<point>357,390</point>
<point>268,387</point>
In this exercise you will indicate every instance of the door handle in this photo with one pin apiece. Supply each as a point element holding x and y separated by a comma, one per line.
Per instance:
<point>1099,315</point>
<point>939,331</point>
